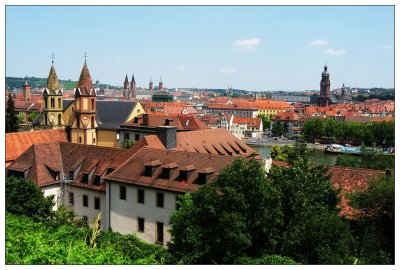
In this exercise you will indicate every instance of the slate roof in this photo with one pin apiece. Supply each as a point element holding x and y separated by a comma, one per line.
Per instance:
<point>111,114</point>
<point>67,102</point>
<point>44,162</point>
<point>19,142</point>
<point>132,171</point>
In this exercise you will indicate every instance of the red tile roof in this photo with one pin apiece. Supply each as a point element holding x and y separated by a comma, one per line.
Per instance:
<point>216,141</point>
<point>287,116</point>
<point>132,171</point>
<point>44,162</point>
<point>251,122</point>
<point>19,142</point>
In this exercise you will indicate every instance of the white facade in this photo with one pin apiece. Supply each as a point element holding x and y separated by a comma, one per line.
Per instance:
<point>88,211</point>
<point>52,190</point>
<point>123,214</point>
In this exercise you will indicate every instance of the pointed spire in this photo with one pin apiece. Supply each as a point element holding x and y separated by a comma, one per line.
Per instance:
<point>52,80</point>
<point>85,81</point>
<point>133,78</point>
<point>126,79</point>
<point>26,81</point>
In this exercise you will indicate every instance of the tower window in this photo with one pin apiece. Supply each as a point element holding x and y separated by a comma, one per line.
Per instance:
<point>59,103</point>
<point>59,119</point>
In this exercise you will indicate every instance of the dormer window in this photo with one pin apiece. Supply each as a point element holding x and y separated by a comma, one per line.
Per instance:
<point>97,180</point>
<point>149,168</point>
<point>85,178</point>
<point>204,175</point>
<point>167,170</point>
<point>185,173</point>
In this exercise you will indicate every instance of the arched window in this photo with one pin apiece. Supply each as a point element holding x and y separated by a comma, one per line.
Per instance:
<point>94,141</point>
<point>92,104</point>
<point>59,103</point>
<point>59,119</point>
<point>80,139</point>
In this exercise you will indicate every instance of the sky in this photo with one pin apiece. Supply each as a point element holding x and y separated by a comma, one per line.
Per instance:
<point>258,48</point>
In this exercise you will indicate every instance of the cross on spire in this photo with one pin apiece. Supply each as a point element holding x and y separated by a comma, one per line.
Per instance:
<point>52,58</point>
<point>85,56</point>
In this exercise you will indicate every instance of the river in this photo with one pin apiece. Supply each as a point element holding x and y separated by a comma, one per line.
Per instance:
<point>317,156</point>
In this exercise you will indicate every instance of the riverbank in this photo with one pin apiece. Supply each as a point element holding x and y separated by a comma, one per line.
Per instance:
<point>269,142</point>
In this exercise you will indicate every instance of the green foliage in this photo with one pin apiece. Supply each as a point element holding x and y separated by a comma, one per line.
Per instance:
<point>21,118</point>
<point>266,259</point>
<point>290,153</point>
<point>277,154</point>
<point>23,197</point>
<point>312,233</point>
<point>11,116</point>
<point>32,116</point>
<point>30,242</point>
<point>265,120</point>
<point>277,129</point>
<point>377,225</point>
<point>379,133</point>
<point>95,232</point>
<point>127,144</point>
<point>226,219</point>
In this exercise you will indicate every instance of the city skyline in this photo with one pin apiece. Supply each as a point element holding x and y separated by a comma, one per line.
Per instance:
<point>254,48</point>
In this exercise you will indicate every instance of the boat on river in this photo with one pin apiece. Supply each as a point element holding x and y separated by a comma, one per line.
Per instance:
<point>340,149</point>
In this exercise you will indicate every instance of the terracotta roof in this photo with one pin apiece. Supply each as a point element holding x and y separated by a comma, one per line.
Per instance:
<point>239,106</point>
<point>210,141</point>
<point>251,122</point>
<point>291,116</point>
<point>19,142</point>
<point>132,171</point>
<point>44,161</point>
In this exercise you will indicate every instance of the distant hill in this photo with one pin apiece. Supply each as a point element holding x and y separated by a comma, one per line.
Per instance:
<point>14,82</point>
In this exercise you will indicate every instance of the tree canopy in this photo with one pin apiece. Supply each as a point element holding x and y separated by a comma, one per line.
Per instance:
<point>11,117</point>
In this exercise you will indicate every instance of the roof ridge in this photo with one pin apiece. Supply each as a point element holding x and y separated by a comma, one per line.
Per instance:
<point>356,168</point>
<point>184,152</point>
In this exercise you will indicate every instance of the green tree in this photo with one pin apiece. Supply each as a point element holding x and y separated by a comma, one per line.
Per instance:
<point>312,232</point>
<point>376,227</point>
<point>32,116</point>
<point>266,121</point>
<point>277,129</point>
<point>127,144</point>
<point>24,197</point>
<point>11,116</point>
<point>226,219</point>
<point>277,154</point>
<point>21,118</point>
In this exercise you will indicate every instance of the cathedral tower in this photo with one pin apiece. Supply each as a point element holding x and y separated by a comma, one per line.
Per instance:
<point>151,84</point>
<point>126,88</point>
<point>133,87</point>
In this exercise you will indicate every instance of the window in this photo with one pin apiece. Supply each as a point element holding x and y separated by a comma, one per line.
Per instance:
<point>160,233</point>
<point>59,103</point>
<point>122,192</point>
<point>97,203</point>
<point>85,178</point>
<point>97,180</point>
<point>59,119</point>
<point>92,104</point>
<point>52,103</point>
<point>137,137</point>
<point>202,178</point>
<point>71,198</point>
<point>140,224</point>
<point>80,139</point>
<point>127,136</point>
<point>166,173</point>
<point>160,199</point>
<point>71,175</point>
<point>140,196</point>
<point>149,170</point>
<point>85,201</point>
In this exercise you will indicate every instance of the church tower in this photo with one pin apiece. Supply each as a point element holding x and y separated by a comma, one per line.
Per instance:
<point>160,85</point>
<point>52,102</point>
<point>343,94</point>
<point>325,88</point>
<point>133,87</point>
<point>151,84</point>
<point>26,88</point>
<point>126,88</point>
<point>83,129</point>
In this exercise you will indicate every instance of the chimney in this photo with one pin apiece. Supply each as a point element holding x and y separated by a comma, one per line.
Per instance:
<point>145,120</point>
<point>167,135</point>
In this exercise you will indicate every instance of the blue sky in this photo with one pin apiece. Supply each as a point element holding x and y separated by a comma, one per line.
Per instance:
<point>253,48</point>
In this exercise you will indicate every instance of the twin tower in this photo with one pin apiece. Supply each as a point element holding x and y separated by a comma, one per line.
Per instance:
<point>130,88</point>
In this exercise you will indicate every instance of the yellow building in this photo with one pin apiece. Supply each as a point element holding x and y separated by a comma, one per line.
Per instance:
<point>111,114</point>
<point>270,108</point>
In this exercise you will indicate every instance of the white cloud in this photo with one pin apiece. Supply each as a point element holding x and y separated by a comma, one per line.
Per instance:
<point>180,67</point>
<point>335,52</point>
<point>387,47</point>
<point>319,42</point>
<point>229,70</point>
<point>247,44</point>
